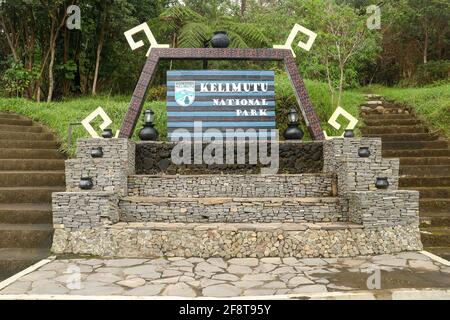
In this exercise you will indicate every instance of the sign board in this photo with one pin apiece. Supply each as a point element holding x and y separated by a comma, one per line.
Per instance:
<point>236,103</point>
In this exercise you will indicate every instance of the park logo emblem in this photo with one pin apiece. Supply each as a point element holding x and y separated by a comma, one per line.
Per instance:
<point>185,93</point>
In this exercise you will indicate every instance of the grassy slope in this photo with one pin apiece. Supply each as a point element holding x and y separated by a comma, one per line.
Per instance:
<point>58,115</point>
<point>433,103</point>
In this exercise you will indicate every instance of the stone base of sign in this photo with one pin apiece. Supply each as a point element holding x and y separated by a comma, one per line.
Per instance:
<point>236,240</point>
<point>336,213</point>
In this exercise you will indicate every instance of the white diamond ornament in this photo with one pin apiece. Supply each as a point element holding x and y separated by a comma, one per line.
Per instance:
<point>136,45</point>
<point>99,112</point>
<point>290,40</point>
<point>333,122</point>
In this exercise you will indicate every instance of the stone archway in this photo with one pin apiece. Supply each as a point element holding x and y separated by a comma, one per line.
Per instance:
<point>137,101</point>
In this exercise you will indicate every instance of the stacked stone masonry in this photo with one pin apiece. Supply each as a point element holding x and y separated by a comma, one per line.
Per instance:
<point>242,186</point>
<point>294,158</point>
<point>236,240</point>
<point>235,215</point>
<point>384,209</point>
<point>108,173</point>
<point>208,210</point>
<point>83,210</point>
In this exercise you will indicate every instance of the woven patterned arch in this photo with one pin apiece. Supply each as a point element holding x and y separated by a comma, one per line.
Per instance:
<point>137,101</point>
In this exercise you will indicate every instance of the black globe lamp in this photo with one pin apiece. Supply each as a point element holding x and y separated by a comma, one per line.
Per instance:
<point>148,132</point>
<point>293,132</point>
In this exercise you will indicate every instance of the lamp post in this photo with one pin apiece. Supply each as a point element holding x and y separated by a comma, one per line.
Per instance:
<point>148,132</point>
<point>293,132</point>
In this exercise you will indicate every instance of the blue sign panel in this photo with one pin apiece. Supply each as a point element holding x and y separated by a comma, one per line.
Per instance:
<point>237,103</point>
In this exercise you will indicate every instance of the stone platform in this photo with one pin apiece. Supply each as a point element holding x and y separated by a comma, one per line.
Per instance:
<point>378,277</point>
<point>337,212</point>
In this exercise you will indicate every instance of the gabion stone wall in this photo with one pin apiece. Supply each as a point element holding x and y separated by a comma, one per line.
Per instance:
<point>242,185</point>
<point>234,210</point>
<point>295,158</point>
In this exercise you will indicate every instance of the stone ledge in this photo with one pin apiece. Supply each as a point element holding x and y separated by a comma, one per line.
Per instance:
<point>136,240</point>
<point>234,226</point>
<point>220,200</point>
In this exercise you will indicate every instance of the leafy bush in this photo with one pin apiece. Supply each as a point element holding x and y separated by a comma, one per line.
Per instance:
<point>433,71</point>
<point>16,78</point>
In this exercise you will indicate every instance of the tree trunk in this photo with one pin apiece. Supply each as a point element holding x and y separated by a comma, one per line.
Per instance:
<point>425,47</point>
<point>341,83</point>
<point>243,7</point>
<point>97,62</point>
<point>51,81</point>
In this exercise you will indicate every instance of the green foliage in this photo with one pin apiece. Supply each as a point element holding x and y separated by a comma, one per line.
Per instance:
<point>321,100</point>
<point>432,71</point>
<point>16,78</point>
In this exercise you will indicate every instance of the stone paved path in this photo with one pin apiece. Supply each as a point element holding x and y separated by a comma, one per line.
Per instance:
<point>216,277</point>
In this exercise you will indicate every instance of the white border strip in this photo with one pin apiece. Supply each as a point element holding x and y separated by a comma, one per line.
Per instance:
<point>435,258</point>
<point>394,294</point>
<point>28,270</point>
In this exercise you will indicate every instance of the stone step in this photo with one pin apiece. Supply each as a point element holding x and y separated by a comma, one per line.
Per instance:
<point>31,164</point>
<point>229,210</point>
<point>16,121</point>
<point>30,154</point>
<point>7,115</point>
<point>435,237</point>
<point>403,136</point>
<point>14,260</point>
<point>375,110</point>
<point>28,144</point>
<point>436,206</point>
<point>388,116</point>
<point>424,182</point>
<point>435,221</point>
<point>424,171</point>
<point>32,178</point>
<point>26,235</point>
<point>13,128</point>
<point>387,122</point>
<point>28,194</point>
<point>251,186</point>
<point>443,252</point>
<point>424,161</point>
<point>11,135</point>
<point>416,153</point>
<point>393,129</point>
<point>26,213</point>
<point>431,192</point>
<point>402,145</point>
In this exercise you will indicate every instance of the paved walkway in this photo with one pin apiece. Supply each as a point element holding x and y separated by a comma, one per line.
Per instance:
<point>215,277</point>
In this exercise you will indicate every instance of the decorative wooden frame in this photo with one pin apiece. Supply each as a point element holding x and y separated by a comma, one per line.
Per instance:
<point>137,101</point>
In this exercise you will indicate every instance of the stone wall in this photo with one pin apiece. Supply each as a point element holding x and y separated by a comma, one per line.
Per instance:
<point>109,173</point>
<point>236,240</point>
<point>355,173</point>
<point>295,158</point>
<point>84,210</point>
<point>382,209</point>
<point>208,210</point>
<point>303,185</point>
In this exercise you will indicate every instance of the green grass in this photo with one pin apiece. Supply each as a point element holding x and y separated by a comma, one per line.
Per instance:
<point>433,103</point>
<point>58,115</point>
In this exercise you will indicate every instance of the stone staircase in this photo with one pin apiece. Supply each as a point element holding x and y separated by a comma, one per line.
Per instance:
<point>424,165</point>
<point>31,169</point>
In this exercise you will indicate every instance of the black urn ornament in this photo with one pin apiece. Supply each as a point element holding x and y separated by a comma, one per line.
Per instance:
<point>220,40</point>
<point>97,152</point>
<point>382,183</point>
<point>86,183</point>
<point>349,133</point>
<point>148,132</point>
<point>293,132</point>
<point>107,134</point>
<point>364,152</point>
